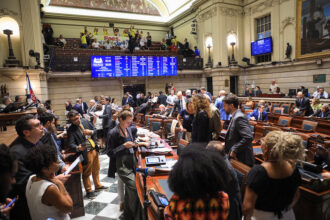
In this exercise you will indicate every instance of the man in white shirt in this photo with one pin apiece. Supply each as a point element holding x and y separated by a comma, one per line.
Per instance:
<point>95,44</point>
<point>320,93</point>
<point>138,95</point>
<point>123,45</point>
<point>273,87</point>
<point>62,39</point>
<point>179,103</point>
<point>107,45</point>
<point>171,98</point>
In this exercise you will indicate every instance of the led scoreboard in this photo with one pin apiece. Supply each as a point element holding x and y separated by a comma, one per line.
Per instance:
<point>132,66</point>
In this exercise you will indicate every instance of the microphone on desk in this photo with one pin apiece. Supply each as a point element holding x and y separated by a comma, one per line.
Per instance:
<point>146,171</point>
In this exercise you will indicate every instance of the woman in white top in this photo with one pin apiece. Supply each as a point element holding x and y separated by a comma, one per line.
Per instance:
<point>97,121</point>
<point>114,105</point>
<point>46,195</point>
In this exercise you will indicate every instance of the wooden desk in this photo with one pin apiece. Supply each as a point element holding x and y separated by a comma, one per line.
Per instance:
<point>312,205</point>
<point>13,116</point>
<point>152,183</point>
<point>271,95</point>
<point>74,188</point>
<point>323,126</point>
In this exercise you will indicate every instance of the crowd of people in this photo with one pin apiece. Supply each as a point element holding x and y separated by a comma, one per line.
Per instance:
<point>34,166</point>
<point>130,39</point>
<point>255,91</point>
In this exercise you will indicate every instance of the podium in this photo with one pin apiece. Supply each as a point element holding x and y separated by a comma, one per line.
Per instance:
<point>74,188</point>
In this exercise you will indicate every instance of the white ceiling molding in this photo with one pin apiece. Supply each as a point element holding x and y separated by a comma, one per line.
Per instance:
<point>169,10</point>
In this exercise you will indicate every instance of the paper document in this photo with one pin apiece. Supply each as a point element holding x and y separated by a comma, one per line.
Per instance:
<point>169,164</point>
<point>74,164</point>
<point>161,150</point>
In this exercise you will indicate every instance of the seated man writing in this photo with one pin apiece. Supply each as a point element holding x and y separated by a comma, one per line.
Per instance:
<point>259,114</point>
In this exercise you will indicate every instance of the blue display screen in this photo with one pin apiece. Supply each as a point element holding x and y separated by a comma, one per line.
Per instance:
<point>262,46</point>
<point>130,66</point>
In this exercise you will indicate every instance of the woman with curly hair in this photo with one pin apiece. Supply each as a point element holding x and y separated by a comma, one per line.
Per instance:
<point>46,195</point>
<point>272,187</point>
<point>201,124</point>
<point>199,180</point>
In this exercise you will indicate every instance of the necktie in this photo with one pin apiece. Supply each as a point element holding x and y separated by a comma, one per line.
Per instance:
<point>260,116</point>
<point>89,139</point>
<point>322,115</point>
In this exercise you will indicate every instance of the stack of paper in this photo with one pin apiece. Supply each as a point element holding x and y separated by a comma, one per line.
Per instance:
<point>161,150</point>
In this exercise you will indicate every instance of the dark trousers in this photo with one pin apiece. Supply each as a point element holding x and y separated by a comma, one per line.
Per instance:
<point>105,134</point>
<point>126,165</point>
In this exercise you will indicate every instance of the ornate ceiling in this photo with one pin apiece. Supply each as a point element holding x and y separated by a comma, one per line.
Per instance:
<point>131,6</point>
<point>144,10</point>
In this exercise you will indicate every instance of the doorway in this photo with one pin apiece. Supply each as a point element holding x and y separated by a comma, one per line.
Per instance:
<point>209,83</point>
<point>234,84</point>
<point>134,89</point>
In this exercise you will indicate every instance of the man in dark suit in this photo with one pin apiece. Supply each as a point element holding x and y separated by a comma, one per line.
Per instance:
<point>303,104</point>
<point>29,132</point>
<point>81,138</point>
<point>107,116</point>
<point>48,121</point>
<point>84,105</point>
<point>324,112</point>
<point>141,100</point>
<point>78,107</point>
<point>162,98</point>
<point>127,99</point>
<point>259,114</point>
<point>68,105</point>
<point>238,140</point>
<point>144,108</point>
<point>179,103</point>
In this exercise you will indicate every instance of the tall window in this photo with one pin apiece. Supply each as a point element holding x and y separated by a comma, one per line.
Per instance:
<point>263,31</point>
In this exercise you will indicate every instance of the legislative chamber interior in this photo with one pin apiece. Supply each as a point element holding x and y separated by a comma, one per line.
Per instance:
<point>164,110</point>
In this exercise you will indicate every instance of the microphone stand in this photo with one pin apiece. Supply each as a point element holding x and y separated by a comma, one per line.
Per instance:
<point>146,202</point>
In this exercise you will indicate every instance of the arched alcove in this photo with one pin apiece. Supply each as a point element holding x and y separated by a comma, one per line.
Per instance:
<point>7,22</point>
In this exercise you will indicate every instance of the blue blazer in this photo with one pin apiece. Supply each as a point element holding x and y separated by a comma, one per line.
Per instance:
<point>255,114</point>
